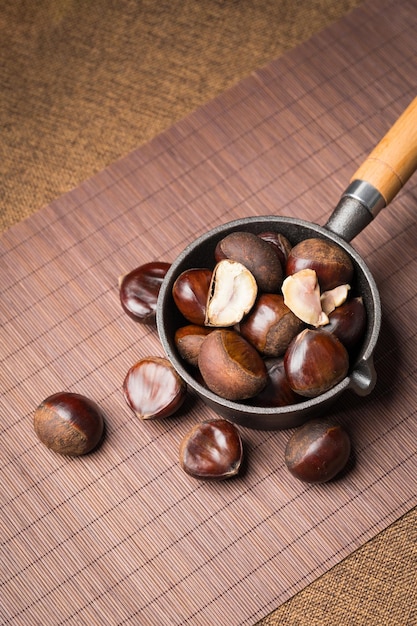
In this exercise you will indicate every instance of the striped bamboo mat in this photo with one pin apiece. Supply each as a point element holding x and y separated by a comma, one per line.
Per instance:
<point>123,536</point>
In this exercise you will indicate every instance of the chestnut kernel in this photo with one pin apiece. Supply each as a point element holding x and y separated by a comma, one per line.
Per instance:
<point>69,423</point>
<point>317,451</point>
<point>139,290</point>
<point>212,449</point>
<point>190,292</point>
<point>315,361</point>
<point>270,325</point>
<point>255,254</point>
<point>330,261</point>
<point>302,295</point>
<point>232,293</point>
<point>230,366</point>
<point>153,389</point>
<point>188,340</point>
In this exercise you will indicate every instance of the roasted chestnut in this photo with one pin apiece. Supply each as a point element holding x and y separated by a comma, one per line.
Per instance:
<point>188,340</point>
<point>315,361</point>
<point>330,261</point>
<point>212,449</point>
<point>281,245</point>
<point>277,391</point>
<point>317,451</point>
<point>190,293</point>
<point>139,289</point>
<point>69,423</point>
<point>257,255</point>
<point>231,366</point>
<point>270,325</point>
<point>348,323</point>
<point>153,389</point>
<point>232,292</point>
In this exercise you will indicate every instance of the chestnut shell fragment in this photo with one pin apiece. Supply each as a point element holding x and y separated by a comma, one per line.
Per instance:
<point>212,449</point>
<point>190,292</point>
<point>318,451</point>
<point>69,423</point>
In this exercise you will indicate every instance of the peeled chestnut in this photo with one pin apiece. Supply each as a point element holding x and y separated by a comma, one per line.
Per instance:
<point>277,391</point>
<point>270,325</point>
<point>315,361</point>
<point>233,291</point>
<point>188,340</point>
<point>330,261</point>
<point>230,366</point>
<point>317,451</point>
<point>212,449</point>
<point>139,290</point>
<point>190,292</point>
<point>348,323</point>
<point>69,423</point>
<point>153,389</point>
<point>254,253</point>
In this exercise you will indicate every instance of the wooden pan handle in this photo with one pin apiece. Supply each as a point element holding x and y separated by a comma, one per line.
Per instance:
<point>394,159</point>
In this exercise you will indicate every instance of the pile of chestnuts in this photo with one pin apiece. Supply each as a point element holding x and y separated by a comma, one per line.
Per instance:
<point>271,324</point>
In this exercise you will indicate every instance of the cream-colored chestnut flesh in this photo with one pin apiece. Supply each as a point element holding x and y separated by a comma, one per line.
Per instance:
<point>232,293</point>
<point>301,293</point>
<point>330,300</point>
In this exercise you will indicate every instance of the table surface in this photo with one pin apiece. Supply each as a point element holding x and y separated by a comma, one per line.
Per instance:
<point>124,533</point>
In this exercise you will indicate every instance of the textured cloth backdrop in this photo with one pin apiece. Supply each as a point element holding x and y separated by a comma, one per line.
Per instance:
<point>85,83</point>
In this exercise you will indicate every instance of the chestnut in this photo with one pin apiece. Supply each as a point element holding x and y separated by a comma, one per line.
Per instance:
<point>190,292</point>
<point>230,366</point>
<point>277,391</point>
<point>270,325</point>
<point>212,449</point>
<point>280,244</point>
<point>330,261</point>
<point>139,290</point>
<point>153,389</point>
<point>69,423</point>
<point>232,293</point>
<point>301,293</point>
<point>348,323</point>
<point>315,361</point>
<point>256,255</point>
<point>188,340</point>
<point>317,451</point>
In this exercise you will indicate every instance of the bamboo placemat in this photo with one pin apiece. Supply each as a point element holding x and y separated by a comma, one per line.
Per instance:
<point>123,535</point>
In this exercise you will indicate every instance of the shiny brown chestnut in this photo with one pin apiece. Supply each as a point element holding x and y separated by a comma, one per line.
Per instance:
<point>188,340</point>
<point>212,449</point>
<point>69,423</point>
<point>190,292</point>
<point>318,451</point>
<point>277,391</point>
<point>255,254</point>
<point>315,361</point>
<point>330,261</point>
<point>348,323</point>
<point>153,389</point>
<point>280,244</point>
<point>230,366</point>
<point>139,290</point>
<point>270,325</point>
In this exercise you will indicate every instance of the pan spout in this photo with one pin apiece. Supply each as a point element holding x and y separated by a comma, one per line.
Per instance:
<point>363,377</point>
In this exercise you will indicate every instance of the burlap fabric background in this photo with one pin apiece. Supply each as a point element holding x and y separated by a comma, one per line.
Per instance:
<point>83,83</point>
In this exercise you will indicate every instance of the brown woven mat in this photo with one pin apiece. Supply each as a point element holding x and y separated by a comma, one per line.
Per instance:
<point>123,536</point>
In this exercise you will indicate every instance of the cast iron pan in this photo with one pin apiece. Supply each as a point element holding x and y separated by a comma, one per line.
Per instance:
<point>373,186</point>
